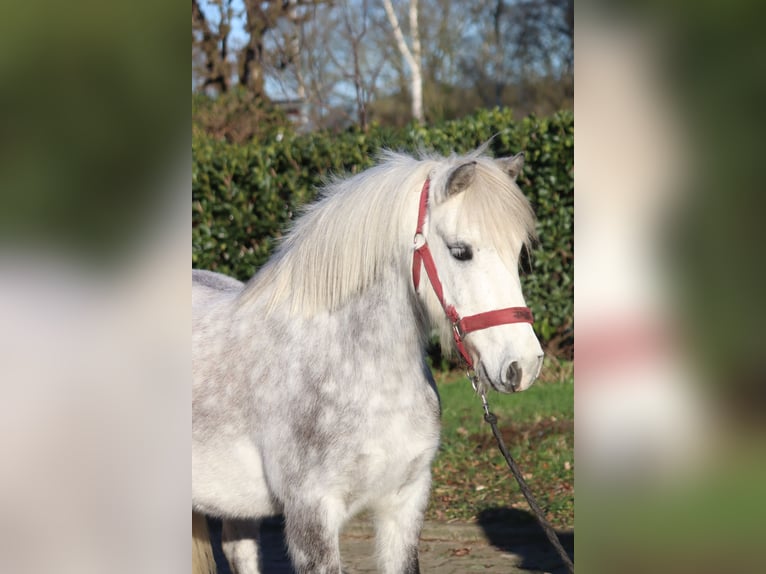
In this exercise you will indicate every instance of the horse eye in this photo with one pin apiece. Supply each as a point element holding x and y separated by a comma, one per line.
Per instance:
<point>461,252</point>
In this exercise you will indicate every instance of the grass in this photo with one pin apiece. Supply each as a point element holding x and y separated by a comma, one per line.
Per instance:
<point>471,480</point>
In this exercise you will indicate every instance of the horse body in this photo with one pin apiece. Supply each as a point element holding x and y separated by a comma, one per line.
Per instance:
<point>311,395</point>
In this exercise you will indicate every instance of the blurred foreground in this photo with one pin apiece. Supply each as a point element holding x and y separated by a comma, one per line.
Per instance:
<point>668,360</point>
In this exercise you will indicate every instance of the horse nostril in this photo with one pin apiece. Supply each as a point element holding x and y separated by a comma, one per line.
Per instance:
<point>513,376</point>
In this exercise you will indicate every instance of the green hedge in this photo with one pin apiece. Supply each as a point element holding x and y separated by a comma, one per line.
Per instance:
<point>244,196</point>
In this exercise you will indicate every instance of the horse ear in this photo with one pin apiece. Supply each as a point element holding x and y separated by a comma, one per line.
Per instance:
<point>461,177</point>
<point>512,165</point>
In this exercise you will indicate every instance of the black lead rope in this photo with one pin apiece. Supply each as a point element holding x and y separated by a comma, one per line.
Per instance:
<point>546,526</point>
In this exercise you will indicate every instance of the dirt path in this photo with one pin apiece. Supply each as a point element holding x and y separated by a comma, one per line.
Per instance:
<point>444,549</point>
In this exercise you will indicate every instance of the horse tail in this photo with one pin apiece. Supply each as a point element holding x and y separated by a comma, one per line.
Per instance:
<point>202,550</point>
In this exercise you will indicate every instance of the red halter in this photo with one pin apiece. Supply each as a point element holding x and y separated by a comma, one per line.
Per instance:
<point>460,326</point>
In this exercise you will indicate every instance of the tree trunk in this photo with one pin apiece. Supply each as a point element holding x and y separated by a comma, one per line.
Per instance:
<point>417,77</point>
<point>257,24</point>
<point>215,64</point>
<point>413,59</point>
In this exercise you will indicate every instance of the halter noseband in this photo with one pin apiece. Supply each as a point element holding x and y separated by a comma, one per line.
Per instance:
<point>460,326</point>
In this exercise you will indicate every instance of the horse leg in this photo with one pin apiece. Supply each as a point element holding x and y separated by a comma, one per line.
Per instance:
<point>312,539</point>
<point>398,521</point>
<point>239,539</point>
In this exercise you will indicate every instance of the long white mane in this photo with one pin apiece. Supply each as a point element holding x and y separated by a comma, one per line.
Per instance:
<point>364,224</point>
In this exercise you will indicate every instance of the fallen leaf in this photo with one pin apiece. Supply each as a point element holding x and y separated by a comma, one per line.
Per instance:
<point>460,551</point>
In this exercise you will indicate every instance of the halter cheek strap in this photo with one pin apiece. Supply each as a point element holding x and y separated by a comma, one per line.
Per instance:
<point>460,326</point>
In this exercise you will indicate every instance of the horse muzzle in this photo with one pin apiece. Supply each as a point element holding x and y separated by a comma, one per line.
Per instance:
<point>517,375</point>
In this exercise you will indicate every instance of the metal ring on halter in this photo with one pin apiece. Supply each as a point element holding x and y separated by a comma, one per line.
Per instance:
<point>474,378</point>
<point>419,240</point>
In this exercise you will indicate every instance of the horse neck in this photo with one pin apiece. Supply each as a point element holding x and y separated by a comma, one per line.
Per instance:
<point>387,310</point>
<point>389,314</point>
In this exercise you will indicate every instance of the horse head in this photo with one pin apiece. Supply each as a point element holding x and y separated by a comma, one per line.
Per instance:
<point>473,223</point>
